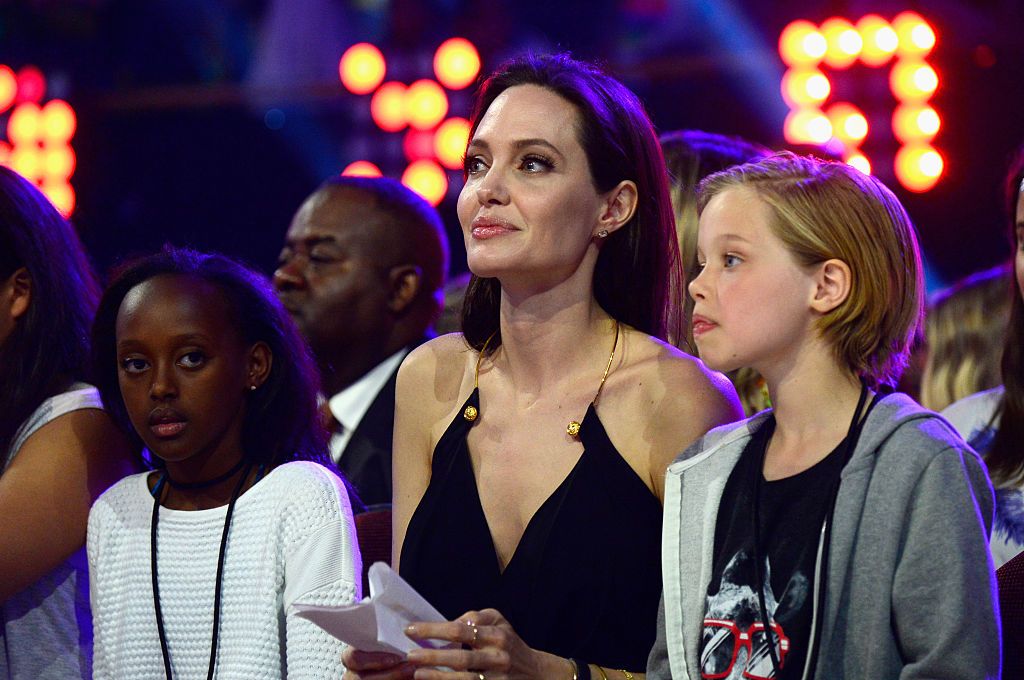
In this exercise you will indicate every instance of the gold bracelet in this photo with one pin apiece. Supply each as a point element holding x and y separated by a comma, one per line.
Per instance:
<point>604,676</point>
<point>629,676</point>
<point>575,669</point>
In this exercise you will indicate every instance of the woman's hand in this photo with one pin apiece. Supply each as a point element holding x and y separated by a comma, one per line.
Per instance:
<point>495,652</point>
<point>362,665</point>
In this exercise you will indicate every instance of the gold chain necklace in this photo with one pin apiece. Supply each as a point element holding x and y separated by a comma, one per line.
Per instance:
<point>573,428</point>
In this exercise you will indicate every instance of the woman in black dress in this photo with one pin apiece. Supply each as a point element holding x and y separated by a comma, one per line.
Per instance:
<point>530,450</point>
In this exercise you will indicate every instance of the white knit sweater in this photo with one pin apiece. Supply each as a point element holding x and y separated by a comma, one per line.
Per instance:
<point>292,540</point>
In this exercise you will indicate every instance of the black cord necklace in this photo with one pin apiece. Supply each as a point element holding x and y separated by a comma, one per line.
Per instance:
<point>849,442</point>
<point>220,561</point>
<point>192,486</point>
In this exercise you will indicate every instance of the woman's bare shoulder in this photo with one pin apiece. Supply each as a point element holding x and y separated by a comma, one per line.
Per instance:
<point>436,370</point>
<point>672,381</point>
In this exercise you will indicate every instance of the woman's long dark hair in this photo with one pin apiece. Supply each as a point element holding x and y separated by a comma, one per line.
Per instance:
<point>281,422</point>
<point>638,279</point>
<point>1005,459</point>
<point>48,348</point>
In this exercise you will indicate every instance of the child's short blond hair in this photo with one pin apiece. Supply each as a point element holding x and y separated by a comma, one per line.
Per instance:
<point>824,210</point>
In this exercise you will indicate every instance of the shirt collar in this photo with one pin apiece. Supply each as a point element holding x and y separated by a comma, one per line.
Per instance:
<point>351,404</point>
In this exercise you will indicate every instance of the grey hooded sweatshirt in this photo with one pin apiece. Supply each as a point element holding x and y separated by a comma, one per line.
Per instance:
<point>910,592</point>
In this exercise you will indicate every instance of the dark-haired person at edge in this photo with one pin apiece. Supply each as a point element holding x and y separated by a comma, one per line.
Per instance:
<point>195,566</point>
<point>993,421</point>
<point>361,273</point>
<point>530,450</point>
<point>58,449</point>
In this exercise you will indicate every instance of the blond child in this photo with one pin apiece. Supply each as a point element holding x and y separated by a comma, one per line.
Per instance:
<point>842,534</point>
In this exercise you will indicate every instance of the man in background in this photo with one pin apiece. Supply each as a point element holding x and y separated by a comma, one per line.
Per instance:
<point>361,272</point>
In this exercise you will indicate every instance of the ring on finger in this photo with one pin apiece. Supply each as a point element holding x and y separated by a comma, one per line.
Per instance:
<point>476,634</point>
<point>480,676</point>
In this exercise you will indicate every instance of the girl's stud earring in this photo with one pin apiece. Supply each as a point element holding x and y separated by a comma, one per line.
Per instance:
<point>252,388</point>
<point>603,233</point>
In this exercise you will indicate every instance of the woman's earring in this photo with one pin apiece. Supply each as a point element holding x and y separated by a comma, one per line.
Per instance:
<point>252,388</point>
<point>603,233</point>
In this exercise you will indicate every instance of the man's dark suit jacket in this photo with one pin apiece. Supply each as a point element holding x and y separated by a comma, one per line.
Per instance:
<point>366,459</point>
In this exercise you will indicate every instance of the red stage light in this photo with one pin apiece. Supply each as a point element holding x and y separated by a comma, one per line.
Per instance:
<point>361,169</point>
<point>843,40</point>
<point>425,104</point>
<point>58,122</point>
<point>427,179</point>
<point>387,107</point>
<point>456,63</point>
<point>362,68</point>
<point>801,44</point>
<point>8,88</point>
<point>418,144</point>
<point>450,142</point>
<point>31,85</point>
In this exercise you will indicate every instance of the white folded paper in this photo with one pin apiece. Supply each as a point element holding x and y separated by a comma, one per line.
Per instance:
<point>377,623</point>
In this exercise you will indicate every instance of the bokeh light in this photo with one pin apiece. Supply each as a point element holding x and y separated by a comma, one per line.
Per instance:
<point>426,104</point>
<point>361,169</point>
<point>27,161</point>
<point>801,44</point>
<point>918,167</point>
<point>58,163</point>
<point>916,36</point>
<point>450,142</point>
<point>915,123</point>
<point>61,195</point>
<point>418,144</point>
<point>362,68</point>
<point>427,179</point>
<point>387,107</point>
<point>8,87</point>
<point>912,80</point>
<point>456,63</point>
<point>859,161</point>
<point>57,122</point>
<point>880,41</point>
<point>805,86</point>
<point>31,85</point>
<point>843,40</point>
<point>849,125</point>
<point>807,126</point>
<point>23,127</point>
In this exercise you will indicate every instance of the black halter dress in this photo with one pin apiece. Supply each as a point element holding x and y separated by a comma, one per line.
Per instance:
<point>584,581</point>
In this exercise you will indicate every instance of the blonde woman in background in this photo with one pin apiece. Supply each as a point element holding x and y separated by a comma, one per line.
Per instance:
<point>964,331</point>
<point>690,156</point>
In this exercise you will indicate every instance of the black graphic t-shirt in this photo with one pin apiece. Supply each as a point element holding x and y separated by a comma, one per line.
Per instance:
<point>792,510</point>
